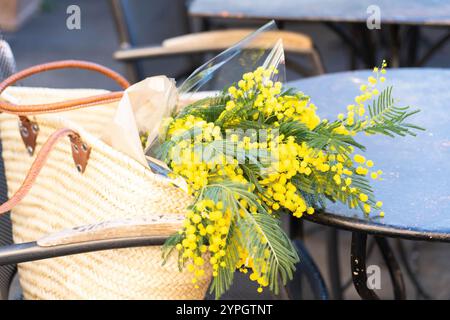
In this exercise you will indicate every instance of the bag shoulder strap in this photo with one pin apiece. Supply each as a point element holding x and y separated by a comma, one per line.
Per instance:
<point>40,161</point>
<point>23,110</point>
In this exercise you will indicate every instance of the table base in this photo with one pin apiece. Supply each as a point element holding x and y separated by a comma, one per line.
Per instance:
<point>359,270</point>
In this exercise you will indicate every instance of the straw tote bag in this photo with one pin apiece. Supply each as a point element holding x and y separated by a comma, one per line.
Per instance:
<point>76,179</point>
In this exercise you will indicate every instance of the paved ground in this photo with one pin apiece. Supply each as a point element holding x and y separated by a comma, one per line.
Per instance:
<point>46,38</point>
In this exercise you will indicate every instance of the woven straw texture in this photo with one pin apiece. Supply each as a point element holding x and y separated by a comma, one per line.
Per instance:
<point>113,186</point>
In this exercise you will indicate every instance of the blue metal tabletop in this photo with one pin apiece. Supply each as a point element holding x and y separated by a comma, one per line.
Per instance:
<point>416,12</point>
<point>416,186</point>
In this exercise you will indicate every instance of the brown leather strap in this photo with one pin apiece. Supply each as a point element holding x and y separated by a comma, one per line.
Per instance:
<point>8,107</point>
<point>36,167</point>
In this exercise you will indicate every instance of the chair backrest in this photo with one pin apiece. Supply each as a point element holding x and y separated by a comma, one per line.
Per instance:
<point>149,22</point>
<point>7,67</point>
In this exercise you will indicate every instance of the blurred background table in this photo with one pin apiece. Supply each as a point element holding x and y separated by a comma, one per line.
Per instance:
<point>429,12</point>
<point>416,178</point>
<point>410,14</point>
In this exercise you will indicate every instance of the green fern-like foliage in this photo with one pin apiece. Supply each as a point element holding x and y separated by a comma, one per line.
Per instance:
<point>388,119</point>
<point>259,231</point>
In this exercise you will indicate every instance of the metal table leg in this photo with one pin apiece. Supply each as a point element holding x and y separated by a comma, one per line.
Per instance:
<point>394,269</point>
<point>349,40</point>
<point>358,266</point>
<point>296,228</point>
<point>413,45</point>
<point>333,264</point>
<point>410,273</point>
<point>395,45</point>
<point>438,45</point>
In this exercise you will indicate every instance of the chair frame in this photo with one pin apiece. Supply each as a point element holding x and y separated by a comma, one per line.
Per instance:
<point>98,237</point>
<point>82,240</point>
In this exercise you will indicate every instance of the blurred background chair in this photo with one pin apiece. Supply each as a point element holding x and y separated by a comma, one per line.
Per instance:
<point>136,47</point>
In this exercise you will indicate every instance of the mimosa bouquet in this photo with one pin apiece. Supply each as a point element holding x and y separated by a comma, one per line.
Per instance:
<point>258,150</point>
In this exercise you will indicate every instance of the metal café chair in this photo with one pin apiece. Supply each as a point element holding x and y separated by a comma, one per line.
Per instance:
<point>132,29</point>
<point>106,236</point>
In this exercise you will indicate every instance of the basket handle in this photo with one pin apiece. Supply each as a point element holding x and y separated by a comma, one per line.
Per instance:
<point>28,128</point>
<point>80,152</point>
<point>22,110</point>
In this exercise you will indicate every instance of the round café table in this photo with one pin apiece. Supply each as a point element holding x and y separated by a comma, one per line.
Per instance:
<point>415,189</point>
